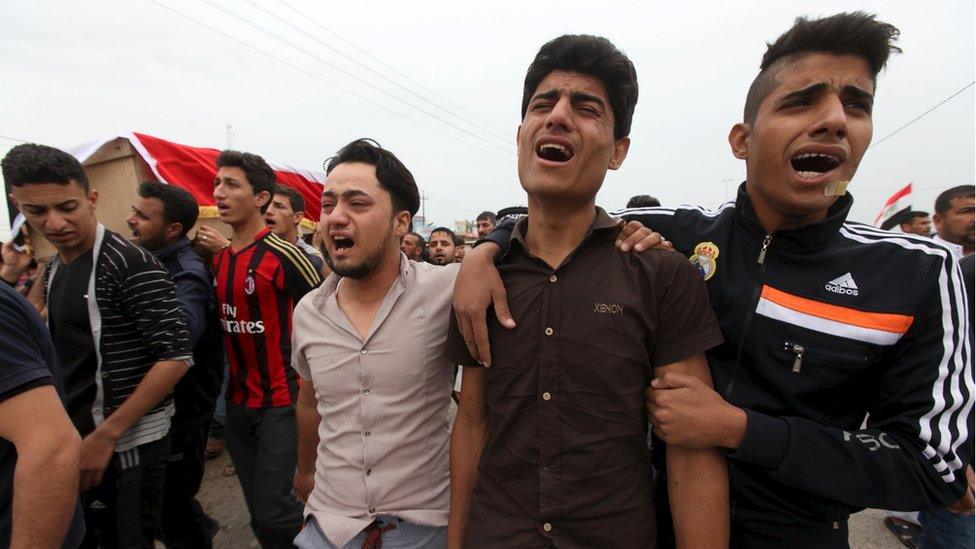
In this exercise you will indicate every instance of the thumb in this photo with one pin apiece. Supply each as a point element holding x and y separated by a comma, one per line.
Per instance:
<point>671,380</point>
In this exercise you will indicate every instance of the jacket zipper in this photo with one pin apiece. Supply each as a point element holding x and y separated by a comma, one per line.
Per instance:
<point>799,351</point>
<point>761,261</point>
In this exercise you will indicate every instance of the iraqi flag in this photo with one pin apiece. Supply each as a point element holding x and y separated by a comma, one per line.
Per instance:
<point>895,208</point>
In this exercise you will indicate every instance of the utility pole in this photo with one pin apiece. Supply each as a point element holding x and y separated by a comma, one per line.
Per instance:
<point>423,207</point>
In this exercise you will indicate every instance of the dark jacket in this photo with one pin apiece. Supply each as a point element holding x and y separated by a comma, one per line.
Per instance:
<point>197,392</point>
<point>826,325</point>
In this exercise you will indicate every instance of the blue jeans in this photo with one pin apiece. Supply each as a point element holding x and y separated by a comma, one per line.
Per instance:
<point>946,530</point>
<point>404,536</point>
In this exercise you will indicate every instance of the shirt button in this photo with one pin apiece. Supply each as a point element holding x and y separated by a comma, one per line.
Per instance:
<point>365,391</point>
<point>363,350</point>
<point>552,278</point>
<point>367,433</point>
<point>372,510</point>
<point>546,396</point>
<point>549,331</point>
<point>369,472</point>
<point>547,527</point>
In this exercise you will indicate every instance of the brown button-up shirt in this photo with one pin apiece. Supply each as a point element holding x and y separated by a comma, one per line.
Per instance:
<point>566,462</point>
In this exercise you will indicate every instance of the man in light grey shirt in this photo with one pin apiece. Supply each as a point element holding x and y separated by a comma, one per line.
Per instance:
<point>373,407</point>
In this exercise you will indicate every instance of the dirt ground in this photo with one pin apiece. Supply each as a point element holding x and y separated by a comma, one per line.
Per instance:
<point>221,498</point>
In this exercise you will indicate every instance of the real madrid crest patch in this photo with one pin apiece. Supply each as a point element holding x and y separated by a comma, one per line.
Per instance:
<point>704,257</point>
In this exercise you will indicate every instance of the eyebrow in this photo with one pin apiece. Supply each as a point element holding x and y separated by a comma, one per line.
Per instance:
<point>345,194</point>
<point>59,204</point>
<point>576,97</point>
<point>819,87</point>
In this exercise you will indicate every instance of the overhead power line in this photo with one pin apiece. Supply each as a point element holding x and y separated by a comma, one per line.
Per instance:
<point>505,132</point>
<point>327,82</point>
<point>352,75</point>
<point>12,139</point>
<point>505,137</point>
<point>919,117</point>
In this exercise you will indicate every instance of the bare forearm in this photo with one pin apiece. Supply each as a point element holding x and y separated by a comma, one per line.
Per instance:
<point>45,492</point>
<point>159,381</point>
<point>467,442</point>
<point>698,490</point>
<point>308,419</point>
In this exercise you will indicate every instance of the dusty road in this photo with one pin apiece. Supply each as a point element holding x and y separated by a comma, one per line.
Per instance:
<point>221,498</point>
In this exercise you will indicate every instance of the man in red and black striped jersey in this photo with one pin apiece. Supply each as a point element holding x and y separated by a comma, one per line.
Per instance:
<point>258,280</point>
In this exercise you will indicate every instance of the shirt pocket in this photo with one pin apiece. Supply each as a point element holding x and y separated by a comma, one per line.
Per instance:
<point>817,357</point>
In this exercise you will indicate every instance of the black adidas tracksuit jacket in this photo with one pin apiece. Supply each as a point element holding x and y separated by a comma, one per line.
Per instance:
<point>825,324</point>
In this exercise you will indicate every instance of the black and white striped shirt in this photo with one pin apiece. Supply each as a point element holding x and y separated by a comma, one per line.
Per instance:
<point>136,322</point>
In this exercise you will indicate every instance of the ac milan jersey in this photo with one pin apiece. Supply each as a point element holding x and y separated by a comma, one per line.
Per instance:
<point>257,288</point>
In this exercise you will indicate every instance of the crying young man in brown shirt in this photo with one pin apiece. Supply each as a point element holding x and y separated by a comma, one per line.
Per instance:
<point>549,446</point>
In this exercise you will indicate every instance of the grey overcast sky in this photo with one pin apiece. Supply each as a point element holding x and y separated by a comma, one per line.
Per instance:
<point>72,72</point>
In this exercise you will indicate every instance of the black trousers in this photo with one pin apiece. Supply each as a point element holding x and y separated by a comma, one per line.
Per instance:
<point>184,524</point>
<point>263,444</point>
<point>124,510</point>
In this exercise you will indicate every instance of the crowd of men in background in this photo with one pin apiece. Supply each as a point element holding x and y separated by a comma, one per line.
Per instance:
<point>339,356</point>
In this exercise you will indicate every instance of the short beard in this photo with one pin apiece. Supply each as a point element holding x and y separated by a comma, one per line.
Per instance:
<point>362,270</point>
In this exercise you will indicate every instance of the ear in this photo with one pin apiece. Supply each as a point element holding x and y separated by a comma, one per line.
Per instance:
<point>298,217</point>
<point>937,221</point>
<point>401,223</point>
<point>739,140</point>
<point>93,197</point>
<point>518,133</point>
<point>13,200</point>
<point>620,148</point>
<point>262,198</point>
<point>173,230</point>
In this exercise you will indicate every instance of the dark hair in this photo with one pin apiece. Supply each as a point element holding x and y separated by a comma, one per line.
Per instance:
<point>448,231</point>
<point>458,241</point>
<point>490,216</point>
<point>643,201</point>
<point>33,163</point>
<point>420,239</point>
<point>393,176</point>
<point>595,56</point>
<point>294,197</point>
<point>944,202</point>
<point>856,33</point>
<point>179,206</point>
<point>914,214</point>
<point>259,174</point>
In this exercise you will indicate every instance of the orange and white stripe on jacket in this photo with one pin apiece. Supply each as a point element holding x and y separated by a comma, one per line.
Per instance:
<point>878,328</point>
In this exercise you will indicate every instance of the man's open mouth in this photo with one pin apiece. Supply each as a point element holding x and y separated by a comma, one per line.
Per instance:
<point>811,165</point>
<point>269,222</point>
<point>342,243</point>
<point>221,207</point>
<point>554,152</point>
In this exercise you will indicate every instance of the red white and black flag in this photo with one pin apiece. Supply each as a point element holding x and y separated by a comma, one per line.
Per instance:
<point>895,208</point>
